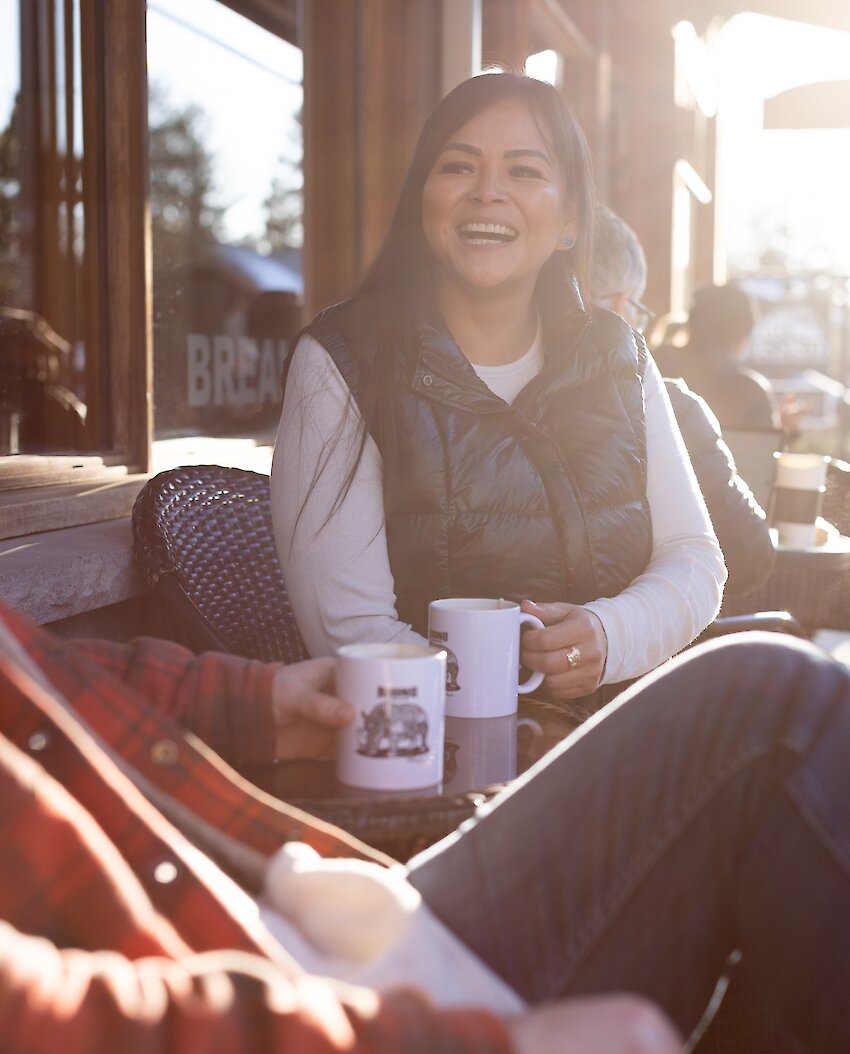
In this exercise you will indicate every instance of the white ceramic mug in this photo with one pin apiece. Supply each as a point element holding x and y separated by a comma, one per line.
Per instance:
<point>395,741</point>
<point>798,488</point>
<point>481,639</point>
<point>482,751</point>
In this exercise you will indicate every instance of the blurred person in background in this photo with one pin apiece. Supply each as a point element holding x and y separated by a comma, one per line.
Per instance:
<point>617,281</point>
<point>720,324</point>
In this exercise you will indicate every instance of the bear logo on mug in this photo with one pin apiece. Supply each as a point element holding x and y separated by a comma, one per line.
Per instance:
<point>393,730</point>
<point>437,640</point>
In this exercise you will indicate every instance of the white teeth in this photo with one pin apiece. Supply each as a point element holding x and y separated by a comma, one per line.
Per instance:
<point>497,229</point>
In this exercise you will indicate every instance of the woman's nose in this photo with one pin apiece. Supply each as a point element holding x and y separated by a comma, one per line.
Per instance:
<point>487,186</point>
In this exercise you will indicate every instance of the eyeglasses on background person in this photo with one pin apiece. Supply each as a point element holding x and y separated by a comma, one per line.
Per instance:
<point>635,312</point>
<point>641,316</point>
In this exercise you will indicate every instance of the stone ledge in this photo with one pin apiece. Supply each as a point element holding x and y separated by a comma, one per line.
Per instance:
<point>28,511</point>
<point>57,574</point>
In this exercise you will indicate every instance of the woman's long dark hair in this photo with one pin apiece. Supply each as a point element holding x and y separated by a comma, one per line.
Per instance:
<point>392,290</point>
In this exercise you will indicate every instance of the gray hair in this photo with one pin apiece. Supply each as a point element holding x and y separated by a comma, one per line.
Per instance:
<point>618,263</point>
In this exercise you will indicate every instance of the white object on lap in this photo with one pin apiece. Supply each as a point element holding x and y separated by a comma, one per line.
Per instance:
<point>363,924</point>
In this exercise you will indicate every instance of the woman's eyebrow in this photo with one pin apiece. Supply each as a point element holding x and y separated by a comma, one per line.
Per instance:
<point>522,151</point>
<point>528,152</point>
<point>464,147</point>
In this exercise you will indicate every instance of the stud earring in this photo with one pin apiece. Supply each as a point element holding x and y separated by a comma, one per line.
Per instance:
<point>568,241</point>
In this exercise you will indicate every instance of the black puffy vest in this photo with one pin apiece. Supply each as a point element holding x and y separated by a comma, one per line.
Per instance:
<point>545,498</point>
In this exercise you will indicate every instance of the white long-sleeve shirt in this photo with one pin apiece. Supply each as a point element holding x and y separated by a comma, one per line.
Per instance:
<point>335,560</point>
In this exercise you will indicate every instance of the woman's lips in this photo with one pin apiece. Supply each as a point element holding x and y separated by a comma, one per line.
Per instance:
<point>487,233</point>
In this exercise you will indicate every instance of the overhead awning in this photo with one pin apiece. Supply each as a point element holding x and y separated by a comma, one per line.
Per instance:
<point>277,16</point>
<point>824,105</point>
<point>833,14</point>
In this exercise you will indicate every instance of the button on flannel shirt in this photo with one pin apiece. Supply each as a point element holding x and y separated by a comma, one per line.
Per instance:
<point>117,933</point>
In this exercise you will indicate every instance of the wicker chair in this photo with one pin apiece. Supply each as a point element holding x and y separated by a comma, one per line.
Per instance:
<point>203,537</point>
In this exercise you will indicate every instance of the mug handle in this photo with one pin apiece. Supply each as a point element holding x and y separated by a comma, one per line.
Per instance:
<point>529,722</point>
<point>536,679</point>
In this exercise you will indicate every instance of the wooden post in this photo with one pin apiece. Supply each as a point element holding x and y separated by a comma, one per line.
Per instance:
<point>461,43</point>
<point>507,39</point>
<point>371,76</point>
<point>644,136</point>
<point>127,255</point>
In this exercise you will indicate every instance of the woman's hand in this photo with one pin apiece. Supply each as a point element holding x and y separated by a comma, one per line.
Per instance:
<point>571,651</point>
<point>306,714</point>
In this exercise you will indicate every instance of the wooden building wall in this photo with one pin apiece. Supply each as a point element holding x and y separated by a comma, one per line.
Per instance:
<point>371,77</point>
<point>642,137</point>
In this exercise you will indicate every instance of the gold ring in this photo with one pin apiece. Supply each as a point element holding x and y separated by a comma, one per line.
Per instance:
<point>573,657</point>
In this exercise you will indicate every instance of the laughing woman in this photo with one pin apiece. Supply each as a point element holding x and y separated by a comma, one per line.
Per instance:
<point>464,426</point>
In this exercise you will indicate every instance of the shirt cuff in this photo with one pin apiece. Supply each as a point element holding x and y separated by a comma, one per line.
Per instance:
<point>599,609</point>
<point>231,708</point>
<point>257,743</point>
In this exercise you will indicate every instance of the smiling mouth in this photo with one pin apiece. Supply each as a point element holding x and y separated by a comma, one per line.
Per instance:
<point>487,233</point>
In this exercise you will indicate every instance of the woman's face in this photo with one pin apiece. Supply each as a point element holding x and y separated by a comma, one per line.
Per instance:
<point>494,205</point>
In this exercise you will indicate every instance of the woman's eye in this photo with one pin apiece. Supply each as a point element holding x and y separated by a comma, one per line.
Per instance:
<point>526,172</point>
<point>455,168</point>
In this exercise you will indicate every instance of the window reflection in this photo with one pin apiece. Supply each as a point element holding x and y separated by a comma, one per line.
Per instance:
<point>225,164</point>
<point>50,379</point>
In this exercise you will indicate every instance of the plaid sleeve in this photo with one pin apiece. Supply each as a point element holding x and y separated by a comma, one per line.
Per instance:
<point>56,999</point>
<point>225,700</point>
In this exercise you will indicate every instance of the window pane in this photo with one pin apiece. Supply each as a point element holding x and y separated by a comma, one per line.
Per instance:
<point>225,154</point>
<point>50,380</point>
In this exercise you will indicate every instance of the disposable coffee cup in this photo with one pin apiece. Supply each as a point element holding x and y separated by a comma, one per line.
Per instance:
<point>481,639</point>
<point>799,485</point>
<point>395,741</point>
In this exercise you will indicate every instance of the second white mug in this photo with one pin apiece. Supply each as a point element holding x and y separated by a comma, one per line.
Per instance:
<point>481,639</point>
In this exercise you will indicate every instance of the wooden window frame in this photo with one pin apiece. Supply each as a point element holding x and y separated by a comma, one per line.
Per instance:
<point>44,492</point>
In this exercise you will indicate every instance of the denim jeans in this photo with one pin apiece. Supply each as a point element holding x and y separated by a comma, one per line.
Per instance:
<point>706,810</point>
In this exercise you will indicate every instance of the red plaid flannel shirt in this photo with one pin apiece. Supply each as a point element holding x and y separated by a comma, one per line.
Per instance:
<point>116,933</point>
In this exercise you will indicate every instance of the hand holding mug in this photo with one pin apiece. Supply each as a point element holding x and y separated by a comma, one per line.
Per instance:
<point>398,692</point>
<point>306,712</point>
<point>571,650</point>
<point>481,636</point>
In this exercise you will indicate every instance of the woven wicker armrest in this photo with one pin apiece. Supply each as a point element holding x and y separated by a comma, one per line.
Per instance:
<point>204,541</point>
